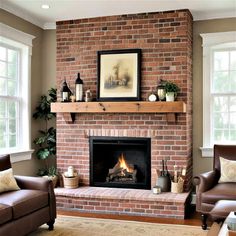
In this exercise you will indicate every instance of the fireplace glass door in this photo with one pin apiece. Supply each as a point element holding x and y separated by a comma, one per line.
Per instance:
<point>120,162</point>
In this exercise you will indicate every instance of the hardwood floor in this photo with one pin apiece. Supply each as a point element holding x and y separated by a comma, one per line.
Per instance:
<point>193,218</point>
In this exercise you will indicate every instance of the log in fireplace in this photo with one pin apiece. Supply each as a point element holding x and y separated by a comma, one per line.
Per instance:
<point>122,172</point>
<point>122,162</point>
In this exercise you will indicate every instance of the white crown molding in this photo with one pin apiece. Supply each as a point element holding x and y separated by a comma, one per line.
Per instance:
<point>210,39</point>
<point>16,35</point>
<point>22,14</point>
<point>49,26</point>
<point>211,16</point>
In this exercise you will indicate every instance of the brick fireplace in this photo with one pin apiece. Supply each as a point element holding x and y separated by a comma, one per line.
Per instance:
<point>165,39</point>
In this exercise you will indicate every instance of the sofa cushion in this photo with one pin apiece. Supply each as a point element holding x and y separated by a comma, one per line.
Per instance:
<point>221,191</point>
<point>24,201</point>
<point>5,213</point>
<point>7,181</point>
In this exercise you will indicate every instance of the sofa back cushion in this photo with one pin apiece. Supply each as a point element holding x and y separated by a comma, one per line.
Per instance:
<point>225,151</point>
<point>7,181</point>
<point>5,162</point>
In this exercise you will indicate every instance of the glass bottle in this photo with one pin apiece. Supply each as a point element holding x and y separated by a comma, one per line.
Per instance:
<point>78,89</point>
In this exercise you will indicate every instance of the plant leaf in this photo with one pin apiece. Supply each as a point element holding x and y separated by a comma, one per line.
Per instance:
<point>43,153</point>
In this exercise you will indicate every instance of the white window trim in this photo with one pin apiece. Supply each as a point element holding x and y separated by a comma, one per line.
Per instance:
<point>9,33</point>
<point>210,40</point>
<point>21,156</point>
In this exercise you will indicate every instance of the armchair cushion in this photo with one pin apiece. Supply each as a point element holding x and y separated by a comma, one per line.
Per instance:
<point>228,170</point>
<point>7,181</point>
<point>218,192</point>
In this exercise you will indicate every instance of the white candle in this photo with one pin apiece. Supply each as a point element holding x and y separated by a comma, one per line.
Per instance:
<point>156,190</point>
<point>70,171</point>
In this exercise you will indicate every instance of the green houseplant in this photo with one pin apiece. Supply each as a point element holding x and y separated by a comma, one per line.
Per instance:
<point>46,141</point>
<point>171,90</point>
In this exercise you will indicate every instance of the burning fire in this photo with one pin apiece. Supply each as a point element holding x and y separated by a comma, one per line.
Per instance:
<point>122,172</point>
<point>123,164</point>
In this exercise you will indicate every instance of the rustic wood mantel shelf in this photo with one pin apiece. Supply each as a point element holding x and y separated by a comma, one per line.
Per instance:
<point>169,108</point>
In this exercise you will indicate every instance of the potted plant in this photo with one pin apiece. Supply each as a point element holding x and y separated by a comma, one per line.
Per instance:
<point>46,141</point>
<point>171,91</point>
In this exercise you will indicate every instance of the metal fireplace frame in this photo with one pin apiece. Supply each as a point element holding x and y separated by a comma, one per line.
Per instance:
<point>109,140</point>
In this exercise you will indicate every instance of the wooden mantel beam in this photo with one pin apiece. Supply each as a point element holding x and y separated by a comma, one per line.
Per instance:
<point>170,108</point>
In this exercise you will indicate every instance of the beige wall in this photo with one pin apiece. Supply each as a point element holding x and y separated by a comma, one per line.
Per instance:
<point>49,60</point>
<point>201,164</point>
<point>39,76</point>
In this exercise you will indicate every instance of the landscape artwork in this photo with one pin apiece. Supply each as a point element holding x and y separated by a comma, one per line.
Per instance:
<point>119,74</point>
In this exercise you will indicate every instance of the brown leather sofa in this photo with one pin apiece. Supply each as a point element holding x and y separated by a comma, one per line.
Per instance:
<point>22,211</point>
<point>208,190</point>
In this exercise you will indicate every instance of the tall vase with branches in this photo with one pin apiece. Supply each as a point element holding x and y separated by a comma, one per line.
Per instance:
<point>46,141</point>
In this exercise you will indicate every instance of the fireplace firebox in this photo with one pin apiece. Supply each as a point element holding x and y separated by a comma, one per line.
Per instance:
<point>122,162</point>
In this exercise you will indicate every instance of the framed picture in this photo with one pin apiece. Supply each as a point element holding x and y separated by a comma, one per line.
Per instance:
<point>119,73</point>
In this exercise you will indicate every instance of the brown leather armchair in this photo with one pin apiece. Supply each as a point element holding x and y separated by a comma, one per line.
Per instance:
<point>22,211</point>
<point>208,190</point>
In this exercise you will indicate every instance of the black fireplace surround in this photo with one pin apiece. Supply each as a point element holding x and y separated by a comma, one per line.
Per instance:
<point>105,152</point>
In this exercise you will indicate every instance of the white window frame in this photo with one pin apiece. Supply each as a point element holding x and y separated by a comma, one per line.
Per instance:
<point>23,41</point>
<point>210,42</point>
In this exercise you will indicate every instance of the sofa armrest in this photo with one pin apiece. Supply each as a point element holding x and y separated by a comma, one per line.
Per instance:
<point>36,183</point>
<point>205,181</point>
<point>39,183</point>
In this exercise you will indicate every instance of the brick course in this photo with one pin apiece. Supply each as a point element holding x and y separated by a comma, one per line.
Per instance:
<point>166,42</point>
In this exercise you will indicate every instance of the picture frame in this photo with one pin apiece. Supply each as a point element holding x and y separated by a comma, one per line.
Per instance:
<point>119,75</point>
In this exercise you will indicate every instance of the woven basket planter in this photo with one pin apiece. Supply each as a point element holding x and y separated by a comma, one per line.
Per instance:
<point>70,182</point>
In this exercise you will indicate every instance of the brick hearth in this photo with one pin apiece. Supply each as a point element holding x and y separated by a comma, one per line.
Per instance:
<point>165,39</point>
<point>122,201</point>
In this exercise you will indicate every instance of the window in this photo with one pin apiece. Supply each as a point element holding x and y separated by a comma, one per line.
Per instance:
<point>15,57</point>
<point>219,90</point>
<point>10,97</point>
<point>223,93</point>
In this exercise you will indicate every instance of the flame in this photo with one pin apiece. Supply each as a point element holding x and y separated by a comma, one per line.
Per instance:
<point>123,164</point>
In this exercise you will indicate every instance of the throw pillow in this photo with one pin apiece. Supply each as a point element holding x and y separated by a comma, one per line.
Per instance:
<point>7,181</point>
<point>228,170</point>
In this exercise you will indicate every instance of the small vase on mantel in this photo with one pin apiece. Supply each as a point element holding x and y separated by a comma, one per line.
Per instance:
<point>170,97</point>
